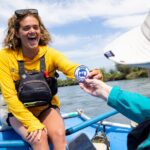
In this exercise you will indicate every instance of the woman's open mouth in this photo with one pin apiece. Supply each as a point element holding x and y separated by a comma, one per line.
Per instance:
<point>33,40</point>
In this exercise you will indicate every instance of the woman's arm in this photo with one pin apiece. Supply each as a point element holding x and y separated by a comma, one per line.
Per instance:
<point>10,96</point>
<point>132,105</point>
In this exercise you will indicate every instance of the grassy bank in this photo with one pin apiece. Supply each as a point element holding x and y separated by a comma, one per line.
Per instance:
<point>122,72</point>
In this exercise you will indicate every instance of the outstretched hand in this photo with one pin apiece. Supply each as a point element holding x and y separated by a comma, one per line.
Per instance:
<point>96,88</point>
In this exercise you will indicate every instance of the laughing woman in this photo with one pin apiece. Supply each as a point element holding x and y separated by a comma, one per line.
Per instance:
<point>28,84</point>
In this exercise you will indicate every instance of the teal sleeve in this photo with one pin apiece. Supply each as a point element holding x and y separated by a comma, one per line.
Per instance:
<point>132,105</point>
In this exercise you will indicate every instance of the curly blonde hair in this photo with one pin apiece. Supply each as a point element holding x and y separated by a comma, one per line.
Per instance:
<point>13,42</point>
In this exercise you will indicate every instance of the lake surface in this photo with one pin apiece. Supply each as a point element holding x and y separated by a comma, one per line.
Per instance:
<point>73,98</point>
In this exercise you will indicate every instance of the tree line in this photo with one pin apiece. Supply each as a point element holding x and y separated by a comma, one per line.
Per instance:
<point>122,72</point>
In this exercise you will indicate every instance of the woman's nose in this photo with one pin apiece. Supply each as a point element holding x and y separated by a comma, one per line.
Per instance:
<point>32,30</point>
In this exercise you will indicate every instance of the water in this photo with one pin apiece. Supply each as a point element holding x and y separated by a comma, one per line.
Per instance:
<point>73,98</point>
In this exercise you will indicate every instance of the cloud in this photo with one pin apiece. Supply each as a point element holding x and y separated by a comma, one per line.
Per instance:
<point>56,13</point>
<point>64,41</point>
<point>2,35</point>
<point>77,10</point>
<point>73,41</point>
<point>116,15</point>
<point>79,46</point>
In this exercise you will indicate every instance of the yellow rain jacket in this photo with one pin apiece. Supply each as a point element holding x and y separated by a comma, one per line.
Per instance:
<point>9,73</point>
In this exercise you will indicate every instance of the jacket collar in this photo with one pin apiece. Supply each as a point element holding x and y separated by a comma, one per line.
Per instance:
<point>42,51</point>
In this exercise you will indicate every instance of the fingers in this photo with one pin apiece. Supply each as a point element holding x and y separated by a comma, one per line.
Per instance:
<point>39,135</point>
<point>45,130</point>
<point>87,86</point>
<point>81,85</point>
<point>31,136</point>
<point>96,74</point>
<point>89,81</point>
<point>35,135</point>
<point>86,82</point>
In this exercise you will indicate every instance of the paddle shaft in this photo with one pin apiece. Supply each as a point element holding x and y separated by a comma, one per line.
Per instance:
<point>90,122</point>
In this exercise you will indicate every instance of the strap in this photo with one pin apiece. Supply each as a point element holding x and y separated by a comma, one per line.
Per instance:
<point>42,63</point>
<point>21,66</point>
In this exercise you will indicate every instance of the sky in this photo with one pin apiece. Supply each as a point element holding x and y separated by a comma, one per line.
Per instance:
<point>81,28</point>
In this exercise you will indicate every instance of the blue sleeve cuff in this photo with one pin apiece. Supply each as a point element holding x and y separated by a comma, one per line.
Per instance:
<point>113,96</point>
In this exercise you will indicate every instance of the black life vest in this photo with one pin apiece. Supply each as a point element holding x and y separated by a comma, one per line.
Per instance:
<point>35,88</point>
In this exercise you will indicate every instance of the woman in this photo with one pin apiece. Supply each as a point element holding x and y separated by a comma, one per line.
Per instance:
<point>134,106</point>
<point>26,41</point>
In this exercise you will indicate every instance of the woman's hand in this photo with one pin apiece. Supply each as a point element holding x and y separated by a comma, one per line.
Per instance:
<point>35,135</point>
<point>96,87</point>
<point>95,74</point>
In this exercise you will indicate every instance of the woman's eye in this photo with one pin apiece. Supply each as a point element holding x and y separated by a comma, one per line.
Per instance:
<point>26,28</point>
<point>36,27</point>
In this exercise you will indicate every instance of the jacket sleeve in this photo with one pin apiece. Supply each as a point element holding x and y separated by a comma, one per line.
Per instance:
<point>64,64</point>
<point>10,96</point>
<point>132,105</point>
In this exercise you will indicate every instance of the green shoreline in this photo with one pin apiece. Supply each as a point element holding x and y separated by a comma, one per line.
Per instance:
<point>122,72</point>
